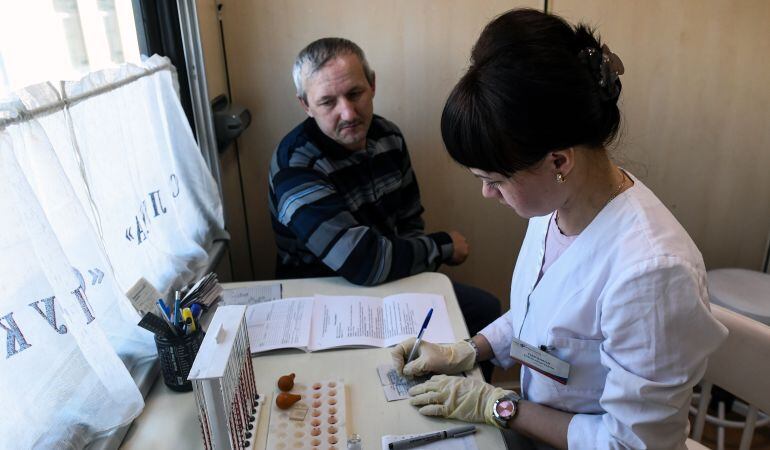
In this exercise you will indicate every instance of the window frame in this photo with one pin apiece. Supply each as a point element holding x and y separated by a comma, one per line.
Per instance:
<point>170,28</point>
<point>158,31</point>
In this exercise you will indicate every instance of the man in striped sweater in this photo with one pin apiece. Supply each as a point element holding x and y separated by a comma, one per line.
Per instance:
<point>343,196</point>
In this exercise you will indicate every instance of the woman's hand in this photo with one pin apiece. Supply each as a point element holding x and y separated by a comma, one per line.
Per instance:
<point>458,398</point>
<point>433,358</point>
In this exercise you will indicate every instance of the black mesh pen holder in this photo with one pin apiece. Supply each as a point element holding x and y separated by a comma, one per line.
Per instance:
<point>176,357</point>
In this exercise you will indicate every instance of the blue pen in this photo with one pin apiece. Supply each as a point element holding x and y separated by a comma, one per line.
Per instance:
<point>419,336</point>
<point>177,312</point>
<point>164,313</point>
<point>164,309</point>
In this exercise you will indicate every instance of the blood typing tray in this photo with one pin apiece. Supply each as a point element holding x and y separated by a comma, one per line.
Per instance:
<point>323,427</point>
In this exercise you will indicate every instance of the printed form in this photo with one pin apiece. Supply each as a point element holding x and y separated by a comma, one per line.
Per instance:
<point>279,324</point>
<point>372,321</point>
<point>321,322</point>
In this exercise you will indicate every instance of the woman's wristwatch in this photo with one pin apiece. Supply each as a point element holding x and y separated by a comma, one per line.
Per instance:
<point>475,348</point>
<point>505,409</point>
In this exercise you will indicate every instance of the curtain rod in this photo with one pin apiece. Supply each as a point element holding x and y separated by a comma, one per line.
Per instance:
<point>29,114</point>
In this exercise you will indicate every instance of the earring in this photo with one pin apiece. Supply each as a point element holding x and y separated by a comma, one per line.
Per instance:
<point>560,178</point>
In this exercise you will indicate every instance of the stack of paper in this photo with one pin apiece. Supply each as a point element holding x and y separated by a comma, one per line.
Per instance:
<point>205,291</point>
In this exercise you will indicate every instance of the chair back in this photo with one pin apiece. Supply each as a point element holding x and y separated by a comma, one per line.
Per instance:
<point>741,365</point>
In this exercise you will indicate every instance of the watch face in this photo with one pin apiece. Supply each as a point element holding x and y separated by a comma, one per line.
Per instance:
<point>505,409</point>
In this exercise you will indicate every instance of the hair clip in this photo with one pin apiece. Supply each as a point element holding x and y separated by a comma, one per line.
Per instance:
<point>612,60</point>
<point>606,67</point>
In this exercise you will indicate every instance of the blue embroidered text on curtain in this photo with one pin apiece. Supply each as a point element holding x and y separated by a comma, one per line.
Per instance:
<point>110,189</point>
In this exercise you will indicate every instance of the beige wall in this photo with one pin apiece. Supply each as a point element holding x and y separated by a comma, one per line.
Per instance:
<point>236,265</point>
<point>418,50</point>
<point>695,105</point>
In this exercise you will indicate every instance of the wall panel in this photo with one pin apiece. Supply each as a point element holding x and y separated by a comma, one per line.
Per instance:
<point>238,264</point>
<point>418,51</point>
<point>696,105</point>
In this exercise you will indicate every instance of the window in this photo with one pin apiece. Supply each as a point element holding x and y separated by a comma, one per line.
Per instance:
<point>156,215</point>
<point>63,39</point>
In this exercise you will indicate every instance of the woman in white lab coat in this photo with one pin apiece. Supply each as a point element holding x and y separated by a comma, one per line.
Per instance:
<point>609,308</point>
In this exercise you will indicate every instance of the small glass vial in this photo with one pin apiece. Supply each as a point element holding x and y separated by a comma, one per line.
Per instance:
<point>354,442</point>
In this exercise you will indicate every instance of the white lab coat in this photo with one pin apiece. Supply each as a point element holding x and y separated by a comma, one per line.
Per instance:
<point>627,306</point>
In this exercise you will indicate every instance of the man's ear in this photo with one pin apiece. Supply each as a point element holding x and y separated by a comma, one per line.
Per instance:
<point>304,105</point>
<point>373,83</point>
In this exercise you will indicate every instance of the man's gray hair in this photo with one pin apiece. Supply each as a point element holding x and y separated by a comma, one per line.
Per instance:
<point>318,53</point>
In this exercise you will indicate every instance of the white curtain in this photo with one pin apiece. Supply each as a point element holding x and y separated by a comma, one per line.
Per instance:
<point>101,184</point>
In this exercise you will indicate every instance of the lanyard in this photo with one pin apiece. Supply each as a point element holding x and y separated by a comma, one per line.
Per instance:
<point>537,281</point>
<point>526,312</point>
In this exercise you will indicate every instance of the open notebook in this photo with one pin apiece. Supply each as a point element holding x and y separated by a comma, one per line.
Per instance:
<point>323,322</point>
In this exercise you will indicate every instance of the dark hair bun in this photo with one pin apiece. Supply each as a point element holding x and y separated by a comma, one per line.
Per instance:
<point>531,88</point>
<point>584,38</point>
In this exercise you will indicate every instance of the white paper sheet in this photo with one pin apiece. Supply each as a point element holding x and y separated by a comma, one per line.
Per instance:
<point>370,321</point>
<point>251,295</point>
<point>405,313</point>
<point>326,322</point>
<point>346,321</point>
<point>461,443</point>
<point>143,296</point>
<point>279,324</point>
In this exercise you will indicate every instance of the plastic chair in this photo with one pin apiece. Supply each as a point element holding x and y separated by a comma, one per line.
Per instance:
<point>746,292</point>
<point>739,366</point>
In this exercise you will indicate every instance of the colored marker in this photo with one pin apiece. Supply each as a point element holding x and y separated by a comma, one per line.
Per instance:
<point>187,318</point>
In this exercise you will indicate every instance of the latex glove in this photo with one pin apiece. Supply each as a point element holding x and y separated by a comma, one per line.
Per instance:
<point>433,358</point>
<point>460,398</point>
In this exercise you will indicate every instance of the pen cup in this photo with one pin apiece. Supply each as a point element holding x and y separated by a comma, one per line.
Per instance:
<point>176,357</point>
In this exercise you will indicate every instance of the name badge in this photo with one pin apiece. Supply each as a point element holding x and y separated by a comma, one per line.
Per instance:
<point>540,361</point>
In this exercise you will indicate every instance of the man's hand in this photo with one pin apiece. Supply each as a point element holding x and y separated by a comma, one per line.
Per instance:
<point>433,358</point>
<point>458,398</point>
<point>461,248</point>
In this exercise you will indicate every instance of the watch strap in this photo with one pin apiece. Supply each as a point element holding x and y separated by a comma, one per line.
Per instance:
<point>475,348</point>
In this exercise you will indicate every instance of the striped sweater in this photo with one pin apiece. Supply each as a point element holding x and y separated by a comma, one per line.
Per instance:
<point>356,214</point>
